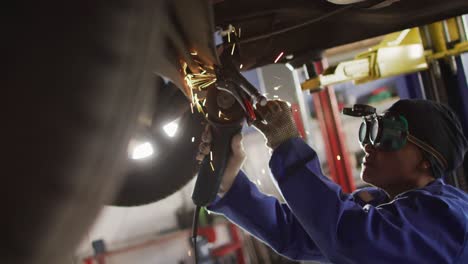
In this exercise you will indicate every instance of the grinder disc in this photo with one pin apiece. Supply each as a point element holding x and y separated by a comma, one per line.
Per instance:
<point>222,107</point>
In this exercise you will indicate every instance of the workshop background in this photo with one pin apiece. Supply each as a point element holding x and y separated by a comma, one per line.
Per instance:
<point>160,232</point>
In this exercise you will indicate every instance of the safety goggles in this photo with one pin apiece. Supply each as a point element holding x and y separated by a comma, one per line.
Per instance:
<point>386,132</point>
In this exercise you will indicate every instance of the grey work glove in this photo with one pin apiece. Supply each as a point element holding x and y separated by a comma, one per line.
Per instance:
<point>234,163</point>
<point>276,122</point>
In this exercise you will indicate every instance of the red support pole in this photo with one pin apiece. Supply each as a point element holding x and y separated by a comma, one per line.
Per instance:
<point>88,260</point>
<point>236,238</point>
<point>234,247</point>
<point>328,115</point>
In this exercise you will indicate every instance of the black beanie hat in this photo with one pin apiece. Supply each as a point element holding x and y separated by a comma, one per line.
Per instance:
<point>440,131</point>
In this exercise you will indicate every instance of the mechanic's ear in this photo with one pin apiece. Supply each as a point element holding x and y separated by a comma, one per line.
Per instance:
<point>425,165</point>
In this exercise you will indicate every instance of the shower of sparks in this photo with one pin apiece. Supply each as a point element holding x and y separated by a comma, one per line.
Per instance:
<point>191,107</point>
<point>193,139</point>
<point>241,66</point>
<point>196,101</point>
<point>205,76</point>
<point>211,155</point>
<point>275,96</point>
<point>222,115</point>
<point>276,88</point>
<point>232,30</point>
<point>212,167</point>
<point>200,81</point>
<point>279,56</point>
<point>197,82</point>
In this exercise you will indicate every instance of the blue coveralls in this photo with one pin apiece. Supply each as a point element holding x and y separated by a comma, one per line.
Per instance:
<point>319,222</point>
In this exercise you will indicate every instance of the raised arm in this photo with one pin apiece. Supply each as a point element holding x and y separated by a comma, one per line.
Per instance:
<point>267,219</point>
<point>416,227</point>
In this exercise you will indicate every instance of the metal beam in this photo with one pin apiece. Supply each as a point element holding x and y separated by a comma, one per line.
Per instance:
<point>328,115</point>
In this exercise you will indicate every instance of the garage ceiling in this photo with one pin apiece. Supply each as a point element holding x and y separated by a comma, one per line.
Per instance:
<point>259,17</point>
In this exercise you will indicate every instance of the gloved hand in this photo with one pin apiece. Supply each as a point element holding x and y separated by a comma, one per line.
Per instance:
<point>276,122</point>
<point>235,161</point>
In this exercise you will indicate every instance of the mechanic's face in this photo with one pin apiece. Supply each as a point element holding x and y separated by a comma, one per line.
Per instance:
<point>391,170</point>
